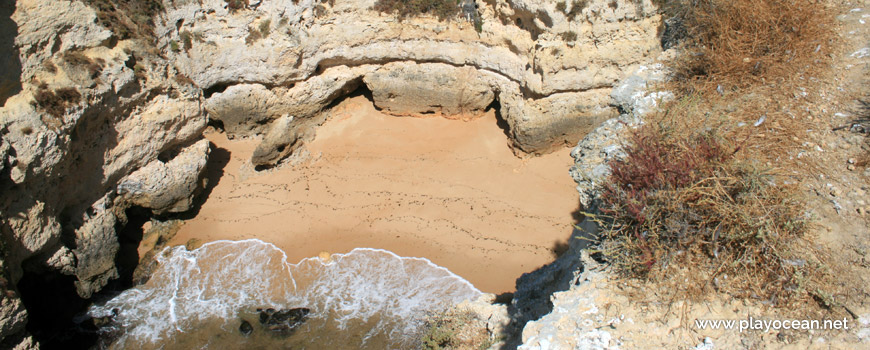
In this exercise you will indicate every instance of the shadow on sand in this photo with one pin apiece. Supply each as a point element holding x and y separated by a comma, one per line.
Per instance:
<point>531,301</point>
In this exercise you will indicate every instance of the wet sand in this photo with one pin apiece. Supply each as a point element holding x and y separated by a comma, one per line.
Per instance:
<point>447,190</point>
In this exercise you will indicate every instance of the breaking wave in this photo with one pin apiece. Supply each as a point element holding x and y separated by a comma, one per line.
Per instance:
<point>365,299</point>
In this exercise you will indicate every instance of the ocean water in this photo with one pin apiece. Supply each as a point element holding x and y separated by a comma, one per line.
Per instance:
<point>365,299</point>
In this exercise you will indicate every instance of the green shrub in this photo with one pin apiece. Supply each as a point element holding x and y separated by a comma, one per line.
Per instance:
<point>265,28</point>
<point>186,40</point>
<point>568,36</point>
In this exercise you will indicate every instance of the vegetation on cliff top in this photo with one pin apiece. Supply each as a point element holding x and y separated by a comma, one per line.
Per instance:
<point>687,206</point>
<point>707,192</point>
<point>745,43</point>
<point>443,9</point>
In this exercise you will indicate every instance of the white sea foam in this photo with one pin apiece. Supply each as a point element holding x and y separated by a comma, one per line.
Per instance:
<point>389,295</point>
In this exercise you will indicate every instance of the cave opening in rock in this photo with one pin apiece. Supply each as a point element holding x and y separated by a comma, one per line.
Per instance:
<point>53,308</point>
<point>56,311</point>
<point>129,238</point>
<point>218,87</point>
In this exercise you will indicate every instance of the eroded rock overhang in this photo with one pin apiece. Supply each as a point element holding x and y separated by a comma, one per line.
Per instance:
<point>551,91</point>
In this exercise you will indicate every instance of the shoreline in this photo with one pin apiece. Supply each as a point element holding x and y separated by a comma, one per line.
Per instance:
<point>450,191</point>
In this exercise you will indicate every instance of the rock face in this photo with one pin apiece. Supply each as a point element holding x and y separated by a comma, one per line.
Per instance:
<point>91,125</point>
<point>429,88</point>
<point>549,90</point>
<point>63,158</point>
<point>167,186</point>
<point>559,300</point>
<point>13,317</point>
<point>568,326</point>
<point>281,140</point>
<point>244,108</point>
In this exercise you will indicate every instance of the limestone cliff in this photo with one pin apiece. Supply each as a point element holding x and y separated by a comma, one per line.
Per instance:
<point>295,57</point>
<point>94,123</point>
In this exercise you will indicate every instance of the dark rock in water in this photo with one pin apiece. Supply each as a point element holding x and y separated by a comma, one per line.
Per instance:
<point>291,315</point>
<point>104,321</point>
<point>264,316</point>
<point>246,327</point>
<point>283,321</point>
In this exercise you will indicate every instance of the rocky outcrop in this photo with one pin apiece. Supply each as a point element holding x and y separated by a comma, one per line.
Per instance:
<point>96,245</point>
<point>92,125</point>
<point>570,324</point>
<point>479,322</point>
<point>88,115</point>
<point>10,72</point>
<point>13,317</point>
<point>295,57</point>
<point>167,186</point>
<point>557,303</point>
<point>248,109</point>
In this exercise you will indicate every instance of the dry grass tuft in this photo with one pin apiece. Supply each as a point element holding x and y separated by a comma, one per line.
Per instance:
<point>260,32</point>
<point>568,36</point>
<point>128,19</point>
<point>55,103</point>
<point>685,211</point>
<point>184,80</point>
<point>707,199</point>
<point>94,68</point>
<point>741,43</point>
<point>235,5</point>
<point>443,9</point>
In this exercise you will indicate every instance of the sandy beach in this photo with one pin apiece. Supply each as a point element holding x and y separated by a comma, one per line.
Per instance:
<point>447,190</point>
